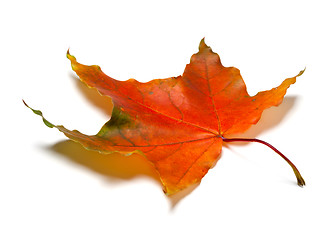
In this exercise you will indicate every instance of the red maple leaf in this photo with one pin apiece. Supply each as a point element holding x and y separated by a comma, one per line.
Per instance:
<point>178,123</point>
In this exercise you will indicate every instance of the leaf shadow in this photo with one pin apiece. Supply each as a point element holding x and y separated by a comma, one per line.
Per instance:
<point>270,118</point>
<point>104,103</point>
<point>179,196</point>
<point>113,166</point>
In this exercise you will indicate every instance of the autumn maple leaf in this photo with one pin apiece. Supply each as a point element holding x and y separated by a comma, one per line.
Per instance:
<point>178,123</point>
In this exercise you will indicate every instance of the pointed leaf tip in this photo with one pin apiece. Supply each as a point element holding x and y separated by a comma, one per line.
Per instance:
<point>25,103</point>
<point>203,46</point>
<point>70,57</point>
<point>301,72</point>
<point>38,112</point>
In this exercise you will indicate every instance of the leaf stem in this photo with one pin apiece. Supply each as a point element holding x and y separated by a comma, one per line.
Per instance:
<point>300,180</point>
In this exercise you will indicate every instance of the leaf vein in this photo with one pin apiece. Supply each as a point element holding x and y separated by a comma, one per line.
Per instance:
<point>162,144</point>
<point>211,97</point>
<point>195,161</point>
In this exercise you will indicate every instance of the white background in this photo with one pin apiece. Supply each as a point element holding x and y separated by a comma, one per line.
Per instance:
<point>54,189</point>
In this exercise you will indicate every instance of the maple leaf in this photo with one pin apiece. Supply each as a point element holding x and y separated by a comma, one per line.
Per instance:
<point>178,123</point>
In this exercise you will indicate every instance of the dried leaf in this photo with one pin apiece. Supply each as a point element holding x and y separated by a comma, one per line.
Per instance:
<point>178,123</point>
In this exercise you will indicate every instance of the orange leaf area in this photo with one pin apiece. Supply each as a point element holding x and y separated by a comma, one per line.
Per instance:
<point>179,123</point>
